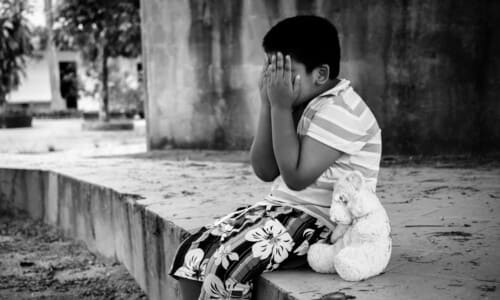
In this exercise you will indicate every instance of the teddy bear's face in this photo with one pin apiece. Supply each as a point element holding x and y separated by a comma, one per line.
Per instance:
<point>339,210</point>
<point>347,200</point>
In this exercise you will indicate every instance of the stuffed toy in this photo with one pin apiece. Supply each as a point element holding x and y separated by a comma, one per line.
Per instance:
<point>361,243</point>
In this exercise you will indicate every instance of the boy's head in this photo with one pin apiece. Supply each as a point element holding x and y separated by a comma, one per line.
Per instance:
<point>310,40</point>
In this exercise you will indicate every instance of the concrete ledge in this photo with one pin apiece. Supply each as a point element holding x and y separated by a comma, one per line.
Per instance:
<point>113,224</point>
<point>138,210</point>
<point>110,223</point>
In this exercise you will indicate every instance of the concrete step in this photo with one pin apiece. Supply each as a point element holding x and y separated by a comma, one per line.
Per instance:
<point>112,223</point>
<point>138,210</point>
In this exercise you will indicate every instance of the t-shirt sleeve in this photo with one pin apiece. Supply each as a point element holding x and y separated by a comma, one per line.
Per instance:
<point>337,129</point>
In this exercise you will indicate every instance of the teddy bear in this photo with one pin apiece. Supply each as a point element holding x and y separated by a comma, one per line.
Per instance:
<point>360,246</point>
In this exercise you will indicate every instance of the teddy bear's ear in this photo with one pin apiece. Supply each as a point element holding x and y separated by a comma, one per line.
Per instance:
<point>356,179</point>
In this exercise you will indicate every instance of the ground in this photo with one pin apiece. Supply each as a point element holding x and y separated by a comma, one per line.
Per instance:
<point>444,211</point>
<point>66,136</point>
<point>37,262</point>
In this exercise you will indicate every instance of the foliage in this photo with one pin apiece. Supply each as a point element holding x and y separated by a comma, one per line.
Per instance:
<point>40,39</point>
<point>87,25</point>
<point>99,29</point>
<point>130,95</point>
<point>15,44</point>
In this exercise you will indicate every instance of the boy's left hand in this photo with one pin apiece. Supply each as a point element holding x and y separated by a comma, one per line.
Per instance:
<point>282,89</point>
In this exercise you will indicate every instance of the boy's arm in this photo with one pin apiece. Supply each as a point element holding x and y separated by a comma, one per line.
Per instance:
<point>300,162</point>
<point>261,152</point>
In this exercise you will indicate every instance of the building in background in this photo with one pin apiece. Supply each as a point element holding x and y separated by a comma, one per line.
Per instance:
<point>39,89</point>
<point>60,80</point>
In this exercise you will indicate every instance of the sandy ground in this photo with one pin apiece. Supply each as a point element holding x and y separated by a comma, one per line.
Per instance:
<point>37,262</point>
<point>66,136</point>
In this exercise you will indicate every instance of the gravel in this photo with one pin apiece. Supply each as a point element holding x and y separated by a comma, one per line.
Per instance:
<point>37,262</point>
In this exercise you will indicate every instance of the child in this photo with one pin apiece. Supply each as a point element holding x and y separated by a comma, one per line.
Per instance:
<point>312,129</point>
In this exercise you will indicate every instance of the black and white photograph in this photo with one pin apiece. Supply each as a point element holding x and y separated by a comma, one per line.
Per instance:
<point>249,149</point>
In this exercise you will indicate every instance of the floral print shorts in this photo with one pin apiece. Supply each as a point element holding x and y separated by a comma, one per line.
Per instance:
<point>227,255</point>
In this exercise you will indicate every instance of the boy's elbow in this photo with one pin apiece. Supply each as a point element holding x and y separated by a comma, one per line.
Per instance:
<point>262,170</point>
<point>265,175</point>
<point>267,178</point>
<point>295,185</point>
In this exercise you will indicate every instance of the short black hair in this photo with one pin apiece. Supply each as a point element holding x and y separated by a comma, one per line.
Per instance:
<point>311,40</point>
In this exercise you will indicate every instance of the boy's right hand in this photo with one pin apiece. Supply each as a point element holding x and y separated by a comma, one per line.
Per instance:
<point>262,81</point>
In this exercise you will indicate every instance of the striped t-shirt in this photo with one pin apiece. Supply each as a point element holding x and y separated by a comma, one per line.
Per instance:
<point>340,119</point>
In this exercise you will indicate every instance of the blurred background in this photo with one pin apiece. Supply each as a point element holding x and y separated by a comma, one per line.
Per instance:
<point>429,70</point>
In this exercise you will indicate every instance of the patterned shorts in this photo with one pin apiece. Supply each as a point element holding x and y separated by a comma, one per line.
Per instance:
<point>230,253</point>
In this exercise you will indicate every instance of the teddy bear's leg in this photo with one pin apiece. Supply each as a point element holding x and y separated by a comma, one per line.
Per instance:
<point>320,256</point>
<point>353,263</point>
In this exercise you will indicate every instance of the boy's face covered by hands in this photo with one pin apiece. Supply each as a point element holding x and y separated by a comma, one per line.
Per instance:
<point>286,81</point>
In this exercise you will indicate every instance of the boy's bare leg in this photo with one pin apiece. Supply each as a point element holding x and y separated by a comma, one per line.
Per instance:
<point>190,289</point>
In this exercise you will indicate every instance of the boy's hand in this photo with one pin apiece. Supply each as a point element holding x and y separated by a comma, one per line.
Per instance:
<point>263,82</point>
<point>282,89</point>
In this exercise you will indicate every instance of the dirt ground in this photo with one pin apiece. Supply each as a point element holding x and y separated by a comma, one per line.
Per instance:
<point>67,136</point>
<point>36,262</point>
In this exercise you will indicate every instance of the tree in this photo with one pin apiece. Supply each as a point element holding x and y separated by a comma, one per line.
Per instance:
<point>15,44</point>
<point>99,29</point>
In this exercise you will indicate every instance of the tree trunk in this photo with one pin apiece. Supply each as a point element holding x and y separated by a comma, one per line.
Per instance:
<point>57,102</point>
<point>104,91</point>
<point>3,105</point>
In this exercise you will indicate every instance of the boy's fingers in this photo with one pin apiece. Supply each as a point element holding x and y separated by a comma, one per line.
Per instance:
<point>279,65</point>
<point>269,70</point>
<point>264,66</point>
<point>263,74</point>
<point>267,62</point>
<point>288,69</point>
<point>263,79</point>
<point>272,67</point>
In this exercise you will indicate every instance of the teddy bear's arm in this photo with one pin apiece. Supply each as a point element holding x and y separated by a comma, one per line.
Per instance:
<point>338,232</point>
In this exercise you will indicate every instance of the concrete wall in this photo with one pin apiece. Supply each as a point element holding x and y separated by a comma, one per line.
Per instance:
<point>429,69</point>
<point>35,87</point>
